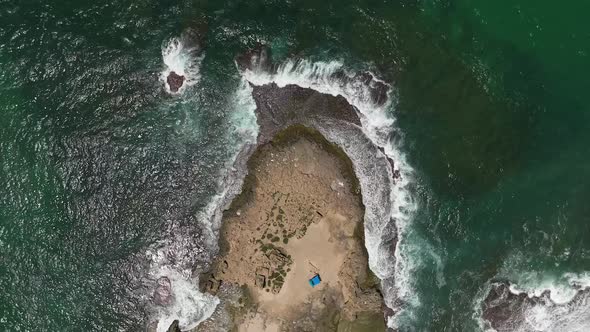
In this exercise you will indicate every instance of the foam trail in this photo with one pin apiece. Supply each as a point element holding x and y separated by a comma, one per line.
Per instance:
<point>244,132</point>
<point>175,256</point>
<point>182,55</point>
<point>332,78</point>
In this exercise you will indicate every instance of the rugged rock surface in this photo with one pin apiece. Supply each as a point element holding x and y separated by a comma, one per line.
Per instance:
<point>163,292</point>
<point>503,309</point>
<point>506,311</point>
<point>175,81</point>
<point>300,212</point>
<point>278,108</point>
<point>323,115</point>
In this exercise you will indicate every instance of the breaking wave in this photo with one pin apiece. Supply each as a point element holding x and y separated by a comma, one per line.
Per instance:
<point>561,289</point>
<point>562,305</point>
<point>186,246</point>
<point>190,307</point>
<point>175,256</point>
<point>554,303</point>
<point>382,221</point>
<point>182,55</point>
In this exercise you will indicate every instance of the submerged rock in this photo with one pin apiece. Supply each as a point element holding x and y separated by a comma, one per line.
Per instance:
<point>257,59</point>
<point>175,81</point>
<point>163,292</point>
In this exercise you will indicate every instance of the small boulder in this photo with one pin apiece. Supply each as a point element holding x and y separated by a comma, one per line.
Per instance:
<point>175,81</point>
<point>163,292</point>
<point>174,327</point>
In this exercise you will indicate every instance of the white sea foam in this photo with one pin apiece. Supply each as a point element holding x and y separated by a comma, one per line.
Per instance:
<point>189,306</point>
<point>175,256</point>
<point>563,311</point>
<point>244,131</point>
<point>378,124</point>
<point>182,56</point>
<point>564,308</point>
<point>243,115</point>
<point>561,289</point>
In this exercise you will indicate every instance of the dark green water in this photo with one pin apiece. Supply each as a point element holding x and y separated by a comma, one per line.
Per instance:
<point>98,160</point>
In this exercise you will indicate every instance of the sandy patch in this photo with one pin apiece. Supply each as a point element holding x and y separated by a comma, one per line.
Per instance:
<point>316,252</point>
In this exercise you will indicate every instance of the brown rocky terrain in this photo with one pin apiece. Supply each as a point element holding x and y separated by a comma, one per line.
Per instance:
<point>175,81</point>
<point>300,214</point>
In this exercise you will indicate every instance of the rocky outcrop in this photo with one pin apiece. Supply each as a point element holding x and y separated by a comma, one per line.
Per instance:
<point>303,216</point>
<point>506,311</point>
<point>278,108</point>
<point>192,41</point>
<point>163,292</point>
<point>503,309</point>
<point>175,81</point>
<point>174,327</point>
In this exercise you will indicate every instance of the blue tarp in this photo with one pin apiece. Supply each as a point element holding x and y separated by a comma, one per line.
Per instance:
<point>315,280</point>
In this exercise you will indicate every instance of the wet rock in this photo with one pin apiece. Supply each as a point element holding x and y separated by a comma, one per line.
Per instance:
<point>174,327</point>
<point>163,292</point>
<point>506,311</point>
<point>502,308</point>
<point>278,108</point>
<point>175,81</point>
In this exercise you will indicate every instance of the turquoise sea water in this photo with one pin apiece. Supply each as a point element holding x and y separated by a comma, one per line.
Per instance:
<point>99,162</point>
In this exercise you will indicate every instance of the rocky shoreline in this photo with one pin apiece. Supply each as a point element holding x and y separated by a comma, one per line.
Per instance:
<point>504,310</point>
<point>300,210</point>
<point>250,274</point>
<point>292,117</point>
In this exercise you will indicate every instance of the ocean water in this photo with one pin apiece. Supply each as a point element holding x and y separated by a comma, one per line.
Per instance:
<point>109,181</point>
